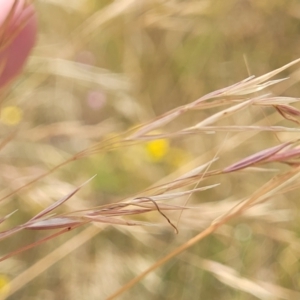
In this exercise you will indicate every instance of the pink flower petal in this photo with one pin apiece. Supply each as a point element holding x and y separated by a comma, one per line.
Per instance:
<point>18,29</point>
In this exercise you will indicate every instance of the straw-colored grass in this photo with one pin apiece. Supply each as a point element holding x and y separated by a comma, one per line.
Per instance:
<point>117,183</point>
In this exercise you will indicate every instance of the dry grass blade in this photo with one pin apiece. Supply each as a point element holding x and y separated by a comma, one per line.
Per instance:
<point>253,88</point>
<point>224,113</point>
<point>7,216</point>
<point>36,223</point>
<point>199,169</point>
<point>265,192</point>
<point>159,122</point>
<point>80,72</point>
<point>289,112</point>
<point>285,156</point>
<point>213,129</point>
<point>232,278</point>
<point>35,244</point>
<point>254,84</point>
<point>54,205</point>
<point>180,194</point>
<point>249,85</point>
<point>59,202</point>
<point>180,183</point>
<point>270,101</point>
<point>7,233</point>
<point>255,158</point>
<point>101,17</point>
<point>116,221</point>
<point>53,223</point>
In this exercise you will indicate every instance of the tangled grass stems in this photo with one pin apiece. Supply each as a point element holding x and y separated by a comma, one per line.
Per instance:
<point>71,220</point>
<point>150,199</point>
<point>247,86</point>
<point>139,135</point>
<point>268,189</point>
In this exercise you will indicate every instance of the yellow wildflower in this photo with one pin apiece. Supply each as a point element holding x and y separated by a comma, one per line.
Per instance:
<point>157,149</point>
<point>11,115</point>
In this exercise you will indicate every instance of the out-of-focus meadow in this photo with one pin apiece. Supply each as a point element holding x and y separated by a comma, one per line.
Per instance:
<point>98,71</point>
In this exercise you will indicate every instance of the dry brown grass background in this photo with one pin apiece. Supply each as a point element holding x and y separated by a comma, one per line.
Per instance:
<point>149,96</point>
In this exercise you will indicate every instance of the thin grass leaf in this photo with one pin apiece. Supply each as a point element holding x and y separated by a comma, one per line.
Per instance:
<point>224,113</point>
<point>225,128</point>
<point>180,194</point>
<point>220,92</point>
<point>121,212</point>
<point>255,158</point>
<point>230,277</point>
<point>259,289</point>
<point>271,74</point>
<point>157,123</point>
<point>7,216</point>
<point>7,233</point>
<point>116,221</point>
<point>265,192</point>
<point>162,206</point>
<point>254,88</point>
<point>53,223</point>
<point>270,101</point>
<point>254,82</point>
<point>55,205</point>
<point>285,156</point>
<point>78,71</point>
<point>199,169</point>
<point>59,202</point>
<point>249,85</point>
<point>34,244</point>
<point>288,112</point>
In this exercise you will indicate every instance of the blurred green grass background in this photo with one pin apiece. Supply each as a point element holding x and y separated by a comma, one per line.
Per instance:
<point>142,58</point>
